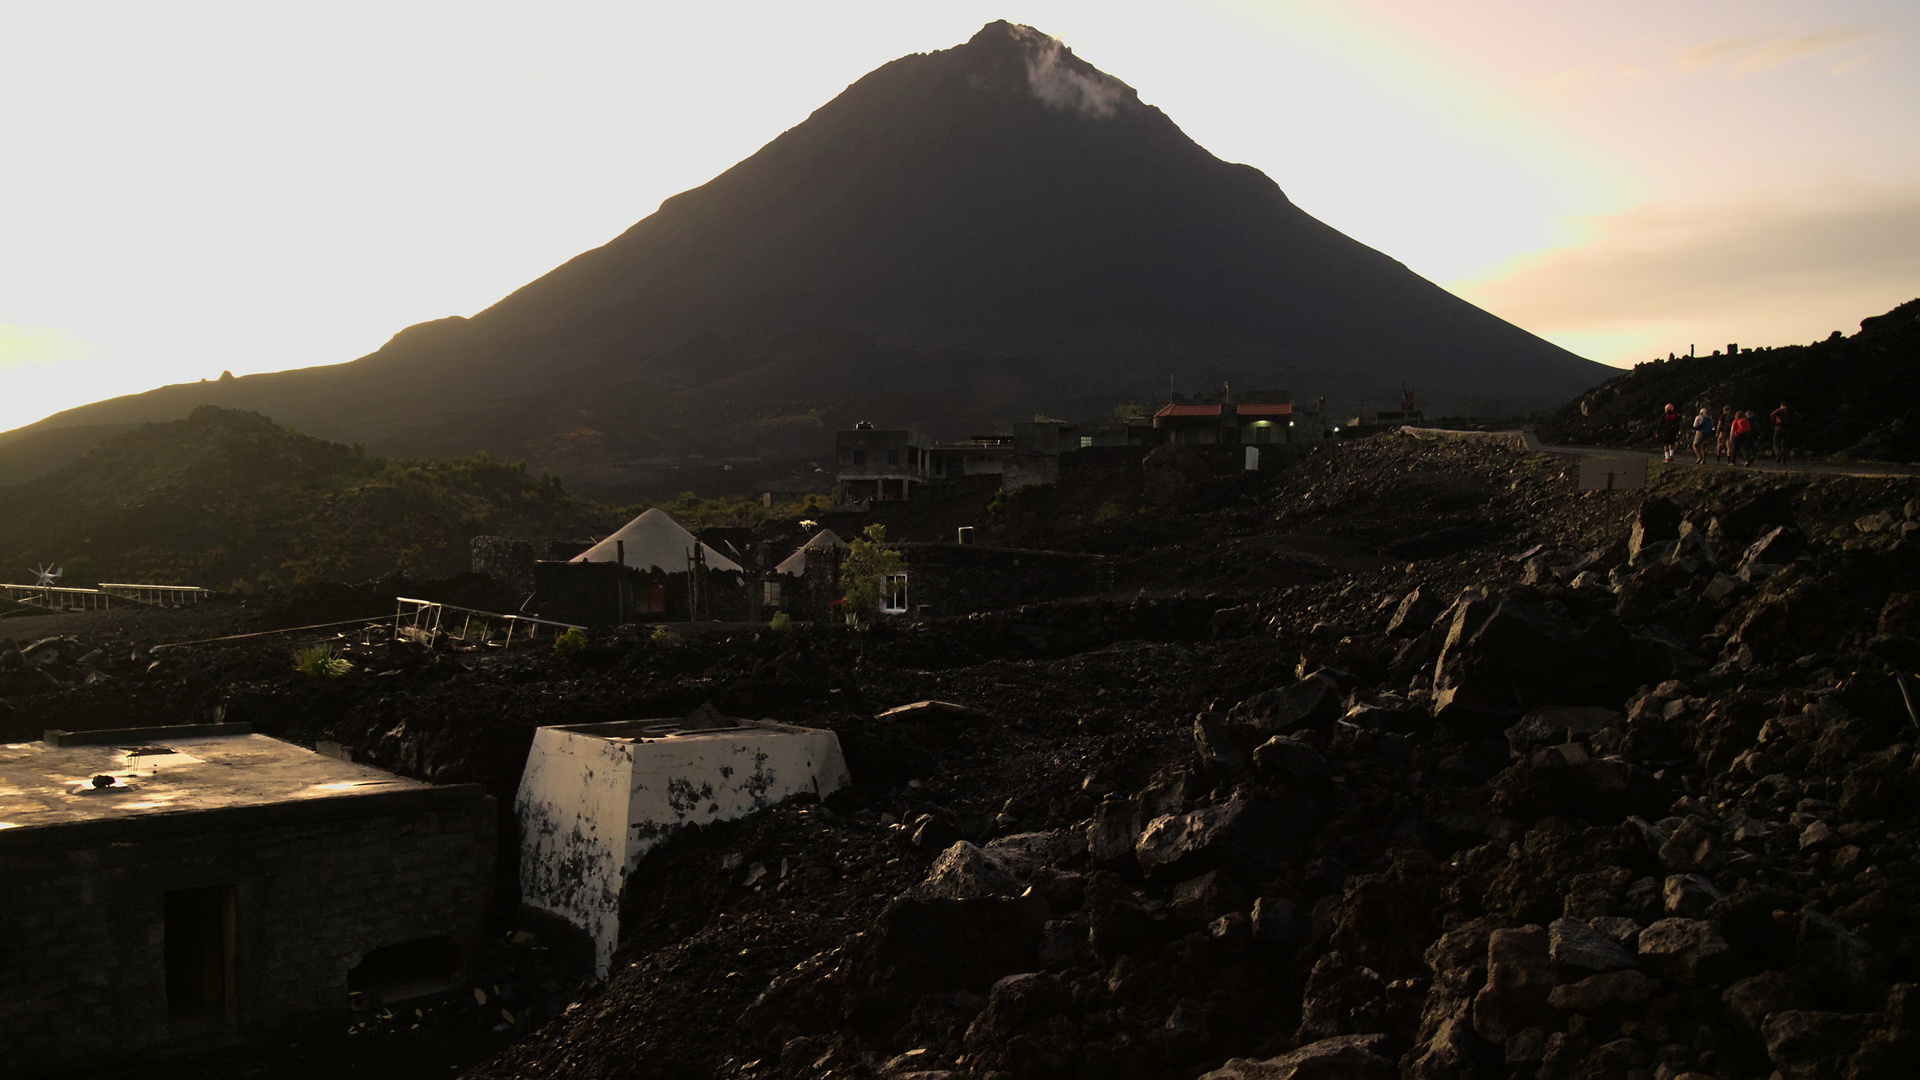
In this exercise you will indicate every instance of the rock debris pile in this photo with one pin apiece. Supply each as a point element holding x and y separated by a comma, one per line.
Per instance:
<point>1633,802</point>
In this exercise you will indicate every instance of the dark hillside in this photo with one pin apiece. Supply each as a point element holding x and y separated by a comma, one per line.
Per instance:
<point>960,239</point>
<point>226,496</point>
<point>1857,394</point>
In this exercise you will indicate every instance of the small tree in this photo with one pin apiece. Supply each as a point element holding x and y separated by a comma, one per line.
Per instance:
<point>864,573</point>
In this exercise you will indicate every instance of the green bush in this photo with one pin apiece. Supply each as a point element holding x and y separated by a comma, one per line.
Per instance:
<point>663,634</point>
<point>864,573</point>
<point>572,641</point>
<point>321,662</point>
<point>781,622</point>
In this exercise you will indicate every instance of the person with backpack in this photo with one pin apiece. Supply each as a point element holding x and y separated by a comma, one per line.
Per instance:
<point>1702,435</point>
<point>1669,431</point>
<point>1723,436</point>
<point>1742,433</point>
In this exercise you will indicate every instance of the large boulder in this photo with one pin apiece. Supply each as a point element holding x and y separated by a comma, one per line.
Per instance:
<point>1316,701</point>
<point>1171,471</point>
<point>1777,547</point>
<point>1507,653</point>
<point>1657,521</point>
<point>1415,614</point>
<point>1805,1044</point>
<point>1561,724</point>
<point>963,872</point>
<point>1251,837</point>
<point>1608,992</point>
<point>1344,1057</point>
<point>1574,944</point>
<point>1688,951</point>
<point>1519,978</point>
<point>1115,830</point>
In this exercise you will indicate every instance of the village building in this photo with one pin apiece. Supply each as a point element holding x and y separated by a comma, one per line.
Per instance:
<point>651,568</point>
<point>183,887</point>
<point>1250,418</point>
<point>880,465</point>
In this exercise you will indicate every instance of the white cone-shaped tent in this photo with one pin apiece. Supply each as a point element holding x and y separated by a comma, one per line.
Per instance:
<point>654,541</point>
<point>795,564</point>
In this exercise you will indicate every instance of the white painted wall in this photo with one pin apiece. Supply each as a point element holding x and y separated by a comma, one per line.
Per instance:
<point>593,800</point>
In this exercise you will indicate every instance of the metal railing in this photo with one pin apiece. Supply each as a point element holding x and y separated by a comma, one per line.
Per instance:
<point>427,622</point>
<point>54,598</point>
<point>158,595</point>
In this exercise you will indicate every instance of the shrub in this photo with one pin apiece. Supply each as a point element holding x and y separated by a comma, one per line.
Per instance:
<point>664,634</point>
<point>864,573</point>
<point>781,622</point>
<point>321,662</point>
<point>572,641</point>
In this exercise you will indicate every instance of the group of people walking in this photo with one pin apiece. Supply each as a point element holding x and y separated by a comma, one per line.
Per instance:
<point>1729,437</point>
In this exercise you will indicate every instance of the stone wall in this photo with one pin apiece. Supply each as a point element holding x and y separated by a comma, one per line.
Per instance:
<point>957,579</point>
<point>316,884</point>
<point>509,562</point>
<point>590,594</point>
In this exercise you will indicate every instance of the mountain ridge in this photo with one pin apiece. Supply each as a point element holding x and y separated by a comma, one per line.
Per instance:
<point>958,239</point>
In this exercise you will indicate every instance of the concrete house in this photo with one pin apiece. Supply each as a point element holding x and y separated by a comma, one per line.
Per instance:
<point>880,465</point>
<point>177,888</point>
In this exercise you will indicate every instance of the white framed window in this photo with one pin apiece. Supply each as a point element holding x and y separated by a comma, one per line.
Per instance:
<point>770,593</point>
<point>893,595</point>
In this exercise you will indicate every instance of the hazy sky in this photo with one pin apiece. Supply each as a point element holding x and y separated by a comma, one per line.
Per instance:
<point>192,187</point>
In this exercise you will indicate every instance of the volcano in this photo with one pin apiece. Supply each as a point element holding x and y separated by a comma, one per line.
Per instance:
<point>959,239</point>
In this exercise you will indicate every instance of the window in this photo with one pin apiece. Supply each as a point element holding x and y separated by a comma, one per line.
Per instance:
<point>893,595</point>
<point>198,945</point>
<point>893,457</point>
<point>1086,441</point>
<point>770,593</point>
<point>859,457</point>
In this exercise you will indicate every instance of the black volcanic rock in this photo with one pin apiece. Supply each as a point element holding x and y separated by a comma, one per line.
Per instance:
<point>958,239</point>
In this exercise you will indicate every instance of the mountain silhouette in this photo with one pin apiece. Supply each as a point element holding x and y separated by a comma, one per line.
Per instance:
<point>959,239</point>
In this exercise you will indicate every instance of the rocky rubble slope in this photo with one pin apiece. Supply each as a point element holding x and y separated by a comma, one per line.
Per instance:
<point>1638,803</point>
<point>1517,783</point>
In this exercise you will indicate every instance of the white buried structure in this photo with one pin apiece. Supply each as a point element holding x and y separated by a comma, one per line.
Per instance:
<point>595,797</point>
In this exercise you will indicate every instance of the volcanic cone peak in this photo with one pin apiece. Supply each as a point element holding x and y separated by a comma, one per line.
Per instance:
<point>958,239</point>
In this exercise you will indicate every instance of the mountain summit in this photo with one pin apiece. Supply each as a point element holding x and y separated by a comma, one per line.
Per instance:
<point>958,239</point>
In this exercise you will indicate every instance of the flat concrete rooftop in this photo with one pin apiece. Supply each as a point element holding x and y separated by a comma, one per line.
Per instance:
<point>681,728</point>
<point>51,782</point>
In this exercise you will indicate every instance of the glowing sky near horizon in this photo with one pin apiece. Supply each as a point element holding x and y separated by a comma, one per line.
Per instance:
<point>197,187</point>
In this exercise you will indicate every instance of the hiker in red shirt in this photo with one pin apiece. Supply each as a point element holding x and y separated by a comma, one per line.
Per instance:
<point>1669,431</point>
<point>1742,438</point>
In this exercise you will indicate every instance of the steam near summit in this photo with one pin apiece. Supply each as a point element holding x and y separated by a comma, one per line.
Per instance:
<point>958,239</point>
<point>1064,82</point>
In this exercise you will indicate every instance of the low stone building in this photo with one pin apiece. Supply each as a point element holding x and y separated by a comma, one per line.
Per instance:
<point>176,888</point>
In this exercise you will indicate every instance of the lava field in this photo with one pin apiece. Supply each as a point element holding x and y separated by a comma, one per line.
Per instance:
<point>1408,759</point>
